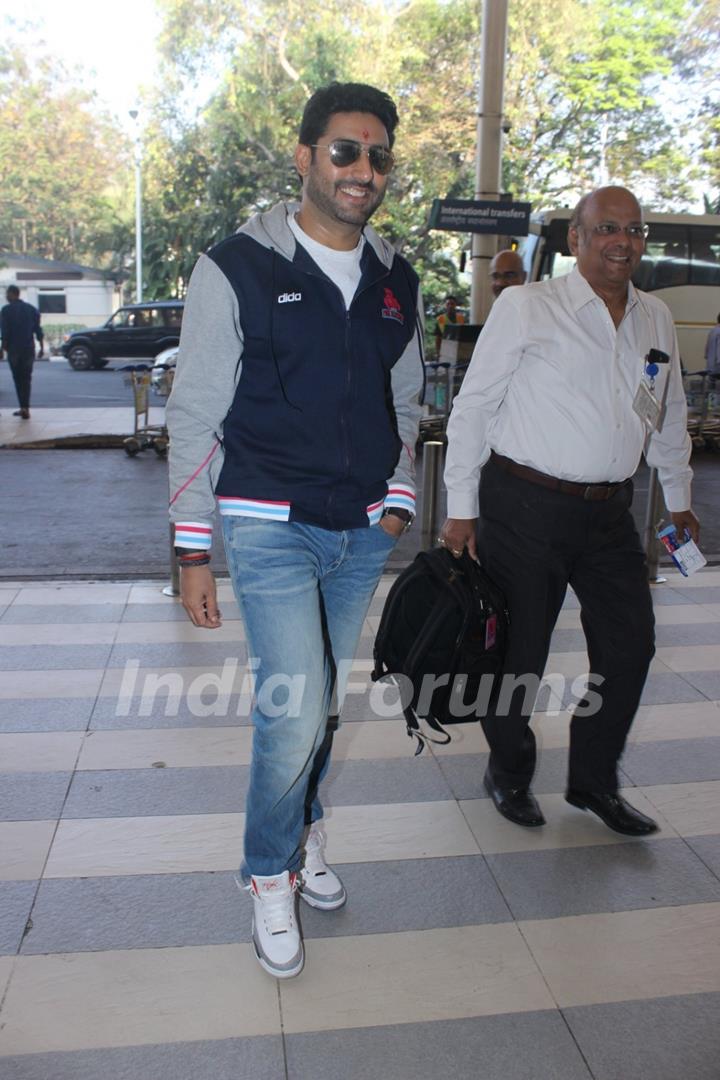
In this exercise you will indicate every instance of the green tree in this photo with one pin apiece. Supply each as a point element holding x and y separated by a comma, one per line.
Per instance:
<point>63,166</point>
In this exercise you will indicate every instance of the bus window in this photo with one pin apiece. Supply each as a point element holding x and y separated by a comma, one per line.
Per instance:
<point>705,255</point>
<point>666,261</point>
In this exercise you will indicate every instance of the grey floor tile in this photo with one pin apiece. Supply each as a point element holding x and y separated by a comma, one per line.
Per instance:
<point>702,594</point>
<point>162,713</point>
<point>664,688</point>
<point>259,1058</point>
<point>222,789</point>
<point>179,654</point>
<point>526,1046</point>
<point>623,877</point>
<point>165,612</point>
<point>568,641</point>
<point>699,633</point>
<point>412,894</point>
<point>675,1038</point>
<point>688,634</point>
<point>680,761</point>
<point>152,792</point>
<point>706,682</point>
<point>80,614</point>
<point>165,910</point>
<point>32,796</point>
<point>53,657</point>
<point>360,783</point>
<point>16,899</point>
<point>664,596</point>
<point>45,714</point>
<point>464,773</point>
<point>708,849</point>
<point>360,707</point>
<point>148,911</point>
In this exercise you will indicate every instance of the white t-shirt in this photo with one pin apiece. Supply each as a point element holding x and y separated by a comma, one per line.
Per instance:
<point>342,267</point>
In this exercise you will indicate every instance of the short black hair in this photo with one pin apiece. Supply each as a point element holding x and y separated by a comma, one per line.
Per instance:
<point>346,97</point>
<point>12,289</point>
<point>451,297</point>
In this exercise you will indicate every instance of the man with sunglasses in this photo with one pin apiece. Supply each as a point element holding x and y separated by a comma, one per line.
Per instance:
<point>556,409</point>
<point>295,407</point>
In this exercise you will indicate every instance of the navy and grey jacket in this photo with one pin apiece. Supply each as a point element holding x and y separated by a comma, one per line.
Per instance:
<point>285,404</point>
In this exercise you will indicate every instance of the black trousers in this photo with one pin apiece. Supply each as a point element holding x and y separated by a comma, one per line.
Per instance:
<point>534,542</point>
<point>21,366</point>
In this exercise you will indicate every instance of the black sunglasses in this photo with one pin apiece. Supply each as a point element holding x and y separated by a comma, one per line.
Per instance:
<point>344,152</point>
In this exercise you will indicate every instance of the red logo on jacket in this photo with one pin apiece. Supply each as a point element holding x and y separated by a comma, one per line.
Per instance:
<point>392,309</point>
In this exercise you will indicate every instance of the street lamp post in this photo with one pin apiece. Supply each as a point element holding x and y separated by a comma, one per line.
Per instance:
<point>138,210</point>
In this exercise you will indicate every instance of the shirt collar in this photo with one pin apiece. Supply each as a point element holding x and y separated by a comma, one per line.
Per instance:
<point>582,293</point>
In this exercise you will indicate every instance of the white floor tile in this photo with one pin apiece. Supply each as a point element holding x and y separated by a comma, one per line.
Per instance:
<point>73,594</point>
<point>628,955</point>
<point>44,751</point>
<point>567,827</point>
<point>704,579</point>
<point>175,747</point>
<point>23,848</point>
<point>685,720</point>
<point>181,844</point>
<point>51,684</point>
<point>690,657</point>
<point>377,833</point>
<point>6,966</point>
<point>357,982</point>
<point>372,740</point>
<point>79,1001</point>
<point>57,634</point>
<point>142,633</point>
<point>692,809</point>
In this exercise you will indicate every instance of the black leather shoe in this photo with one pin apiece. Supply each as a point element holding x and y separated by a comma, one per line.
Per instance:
<point>615,811</point>
<point>518,805</point>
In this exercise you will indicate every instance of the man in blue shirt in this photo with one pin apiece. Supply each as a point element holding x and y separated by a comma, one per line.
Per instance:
<point>20,322</point>
<point>712,350</point>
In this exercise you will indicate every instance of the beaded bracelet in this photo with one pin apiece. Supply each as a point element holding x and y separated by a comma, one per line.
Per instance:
<point>200,559</point>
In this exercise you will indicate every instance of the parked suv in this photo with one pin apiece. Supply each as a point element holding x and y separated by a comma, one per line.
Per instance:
<point>135,330</point>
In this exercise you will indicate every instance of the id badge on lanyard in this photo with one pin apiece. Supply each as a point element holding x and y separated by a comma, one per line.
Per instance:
<point>645,402</point>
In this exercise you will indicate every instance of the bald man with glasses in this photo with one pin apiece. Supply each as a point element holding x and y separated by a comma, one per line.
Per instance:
<point>556,411</point>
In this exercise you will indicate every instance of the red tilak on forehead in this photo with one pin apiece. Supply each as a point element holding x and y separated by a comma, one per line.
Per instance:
<point>366,134</point>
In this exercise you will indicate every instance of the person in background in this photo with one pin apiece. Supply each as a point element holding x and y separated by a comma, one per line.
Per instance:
<point>712,350</point>
<point>450,317</point>
<point>506,269</point>
<point>19,326</point>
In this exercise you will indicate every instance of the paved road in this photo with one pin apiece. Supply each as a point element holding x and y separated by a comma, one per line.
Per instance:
<point>56,385</point>
<point>99,513</point>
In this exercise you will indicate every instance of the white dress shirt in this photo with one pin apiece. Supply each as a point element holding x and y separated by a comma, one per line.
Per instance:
<point>551,385</point>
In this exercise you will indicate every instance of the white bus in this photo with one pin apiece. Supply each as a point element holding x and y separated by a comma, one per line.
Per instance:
<point>681,265</point>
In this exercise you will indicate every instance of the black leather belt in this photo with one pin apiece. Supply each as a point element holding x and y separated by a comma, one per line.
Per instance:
<point>593,492</point>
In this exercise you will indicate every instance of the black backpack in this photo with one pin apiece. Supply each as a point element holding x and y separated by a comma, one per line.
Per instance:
<point>442,639</point>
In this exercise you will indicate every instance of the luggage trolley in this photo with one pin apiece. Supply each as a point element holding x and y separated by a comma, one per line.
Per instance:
<point>145,435</point>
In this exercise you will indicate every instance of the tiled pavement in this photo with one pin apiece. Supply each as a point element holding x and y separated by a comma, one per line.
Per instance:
<point>469,949</point>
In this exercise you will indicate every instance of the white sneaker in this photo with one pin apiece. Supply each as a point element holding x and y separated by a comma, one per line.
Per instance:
<point>320,887</point>
<point>275,931</point>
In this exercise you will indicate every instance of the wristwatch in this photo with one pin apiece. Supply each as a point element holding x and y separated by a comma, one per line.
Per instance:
<point>405,516</point>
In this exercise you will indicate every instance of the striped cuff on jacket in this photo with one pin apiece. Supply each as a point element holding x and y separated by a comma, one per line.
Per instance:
<point>193,534</point>
<point>401,495</point>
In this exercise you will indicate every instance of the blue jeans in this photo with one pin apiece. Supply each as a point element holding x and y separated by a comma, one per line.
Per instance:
<point>303,594</point>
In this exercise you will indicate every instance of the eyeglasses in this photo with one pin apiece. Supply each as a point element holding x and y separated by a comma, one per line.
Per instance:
<point>505,275</point>
<point>344,152</point>
<point>609,228</point>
